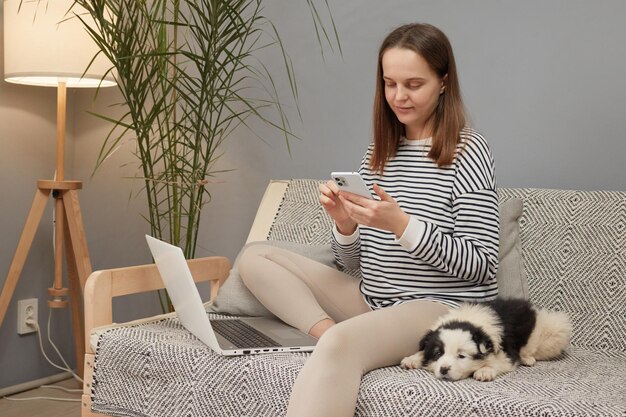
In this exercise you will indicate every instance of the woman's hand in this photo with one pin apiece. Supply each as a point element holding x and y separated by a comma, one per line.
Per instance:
<point>385,214</point>
<point>329,198</point>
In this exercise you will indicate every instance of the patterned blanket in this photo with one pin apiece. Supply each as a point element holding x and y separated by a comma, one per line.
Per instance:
<point>160,369</point>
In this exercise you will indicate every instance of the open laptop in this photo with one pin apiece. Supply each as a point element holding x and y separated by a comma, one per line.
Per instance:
<point>230,337</point>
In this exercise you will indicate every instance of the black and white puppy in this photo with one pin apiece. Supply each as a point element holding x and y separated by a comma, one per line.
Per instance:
<point>489,339</point>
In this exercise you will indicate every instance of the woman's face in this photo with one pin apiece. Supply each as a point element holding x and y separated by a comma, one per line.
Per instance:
<point>412,90</point>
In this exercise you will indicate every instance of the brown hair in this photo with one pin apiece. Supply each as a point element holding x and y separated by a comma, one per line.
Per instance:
<point>449,118</point>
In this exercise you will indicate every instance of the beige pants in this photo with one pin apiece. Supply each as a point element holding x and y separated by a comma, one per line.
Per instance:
<point>302,292</point>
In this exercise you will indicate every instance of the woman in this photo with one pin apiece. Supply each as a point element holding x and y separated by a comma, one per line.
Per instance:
<point>428,242</point>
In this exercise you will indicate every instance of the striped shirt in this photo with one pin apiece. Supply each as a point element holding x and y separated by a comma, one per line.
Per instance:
<point>449,250</point>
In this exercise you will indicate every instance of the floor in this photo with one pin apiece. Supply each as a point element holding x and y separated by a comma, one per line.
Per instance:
<point>47,408</point>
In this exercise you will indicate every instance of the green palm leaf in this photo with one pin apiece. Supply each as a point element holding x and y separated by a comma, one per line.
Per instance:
<point>190,72</point>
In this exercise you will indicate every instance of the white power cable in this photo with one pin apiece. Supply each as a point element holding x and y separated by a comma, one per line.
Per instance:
<point>74,400</point>
<point>36,325</point>
<point>62,368</point>
<point>67,368</point>
<point>61,388</point>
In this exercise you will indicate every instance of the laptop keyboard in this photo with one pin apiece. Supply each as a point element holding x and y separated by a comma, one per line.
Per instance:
<point>241,334</point>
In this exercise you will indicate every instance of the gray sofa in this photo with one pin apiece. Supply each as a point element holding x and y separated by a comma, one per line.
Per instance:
<point>566,252</point>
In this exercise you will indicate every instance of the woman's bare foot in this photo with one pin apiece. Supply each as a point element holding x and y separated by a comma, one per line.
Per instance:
<point>320,327</point>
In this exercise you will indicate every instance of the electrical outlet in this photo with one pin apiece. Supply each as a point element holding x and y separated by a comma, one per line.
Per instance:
<point>26,309</point>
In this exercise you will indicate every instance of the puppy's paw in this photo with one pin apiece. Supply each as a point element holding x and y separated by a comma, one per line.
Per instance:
<point>484,374</point>
<point>413,361</point>
<point>528,360</point>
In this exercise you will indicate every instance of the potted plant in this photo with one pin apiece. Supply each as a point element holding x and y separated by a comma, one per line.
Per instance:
<point>189,73</point>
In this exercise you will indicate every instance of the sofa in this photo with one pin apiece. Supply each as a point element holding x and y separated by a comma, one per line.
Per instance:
<point>563,249</point>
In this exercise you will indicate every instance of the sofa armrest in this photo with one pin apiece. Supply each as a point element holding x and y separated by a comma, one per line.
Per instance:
<point>102,286</point>
<point>268,208</point>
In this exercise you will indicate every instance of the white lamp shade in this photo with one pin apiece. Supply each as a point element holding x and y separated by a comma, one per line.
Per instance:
<point>44,44</point>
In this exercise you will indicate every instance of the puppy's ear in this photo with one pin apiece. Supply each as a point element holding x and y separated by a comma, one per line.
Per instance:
<point>484,344</point>
<point>486,347</point>
<point>425,340</point>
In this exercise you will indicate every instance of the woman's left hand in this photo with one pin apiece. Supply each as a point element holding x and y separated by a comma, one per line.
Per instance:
<point>385,214</point>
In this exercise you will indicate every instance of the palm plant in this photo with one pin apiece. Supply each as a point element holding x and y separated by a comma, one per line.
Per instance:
<point>190,73</point>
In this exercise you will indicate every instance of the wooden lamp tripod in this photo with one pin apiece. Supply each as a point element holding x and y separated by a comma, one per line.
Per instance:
<point>69,230</point>
<point>53,50</point>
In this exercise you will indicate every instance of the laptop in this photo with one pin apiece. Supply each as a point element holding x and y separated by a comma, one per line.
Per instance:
<point>229,337</point>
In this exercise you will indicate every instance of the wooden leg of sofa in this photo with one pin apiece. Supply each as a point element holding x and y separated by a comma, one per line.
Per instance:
<point>87,381</point>
<point>85,410</point>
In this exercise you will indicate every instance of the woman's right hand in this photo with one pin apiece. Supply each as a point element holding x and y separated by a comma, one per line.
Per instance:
<point>329,198</point>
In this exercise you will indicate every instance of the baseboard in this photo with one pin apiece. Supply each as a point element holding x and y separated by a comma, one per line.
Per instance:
<point>25,386</point>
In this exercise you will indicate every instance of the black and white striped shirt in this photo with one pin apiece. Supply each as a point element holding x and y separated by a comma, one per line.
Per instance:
<point>449,250</point>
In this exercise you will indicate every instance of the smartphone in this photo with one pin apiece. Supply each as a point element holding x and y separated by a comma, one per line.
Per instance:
<point>351,182</point>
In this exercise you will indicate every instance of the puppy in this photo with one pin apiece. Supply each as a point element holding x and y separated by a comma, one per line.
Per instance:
<point>489,339</point>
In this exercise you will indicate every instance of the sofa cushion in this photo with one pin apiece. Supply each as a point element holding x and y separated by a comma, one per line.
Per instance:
<point>511,274</point>
<point>235,298</point>
<point>302,226</point>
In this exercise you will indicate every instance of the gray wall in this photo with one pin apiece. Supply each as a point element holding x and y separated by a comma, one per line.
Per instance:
<point>543,80</point>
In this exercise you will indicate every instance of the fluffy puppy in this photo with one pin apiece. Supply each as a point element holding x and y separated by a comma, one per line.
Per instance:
<point>489,339</point>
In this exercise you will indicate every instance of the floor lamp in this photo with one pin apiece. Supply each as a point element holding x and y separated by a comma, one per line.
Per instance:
<point>46,45</point>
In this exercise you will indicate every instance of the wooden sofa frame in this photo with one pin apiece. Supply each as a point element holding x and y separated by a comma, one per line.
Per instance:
<point>103,286</point>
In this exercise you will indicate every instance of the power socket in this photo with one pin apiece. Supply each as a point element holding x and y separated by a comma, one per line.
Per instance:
<point>26,309</point>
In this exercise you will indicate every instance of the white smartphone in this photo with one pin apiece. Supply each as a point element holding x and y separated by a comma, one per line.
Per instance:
<point>351,182</point>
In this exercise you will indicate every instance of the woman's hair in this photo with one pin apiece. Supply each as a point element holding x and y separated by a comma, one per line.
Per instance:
<point>449,118</point>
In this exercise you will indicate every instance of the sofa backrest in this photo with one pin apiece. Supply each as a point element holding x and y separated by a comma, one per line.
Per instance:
<point>574,252</point>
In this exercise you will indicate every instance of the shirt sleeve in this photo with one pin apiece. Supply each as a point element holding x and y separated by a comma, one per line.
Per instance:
<point>470,252</point>
<point>346,249</point>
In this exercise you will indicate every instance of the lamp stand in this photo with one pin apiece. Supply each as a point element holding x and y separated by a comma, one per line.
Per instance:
<point>69,233</point>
